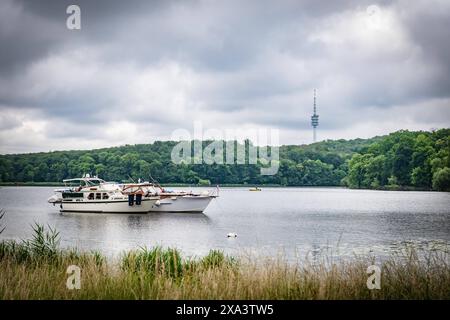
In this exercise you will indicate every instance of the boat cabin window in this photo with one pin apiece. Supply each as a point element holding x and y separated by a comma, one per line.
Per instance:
<point>66,195</point>
<point>105,196</point>
<point>91,196</point>
<point>98,196</point>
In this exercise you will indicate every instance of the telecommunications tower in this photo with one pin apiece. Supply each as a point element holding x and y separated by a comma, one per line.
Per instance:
<point>315,119</point>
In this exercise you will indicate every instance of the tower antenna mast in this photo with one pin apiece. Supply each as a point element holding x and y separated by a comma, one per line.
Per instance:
<point>315,119</point>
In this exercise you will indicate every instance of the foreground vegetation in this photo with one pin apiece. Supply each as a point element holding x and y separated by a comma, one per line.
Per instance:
<point>36,269</point>
<point>400,160</point>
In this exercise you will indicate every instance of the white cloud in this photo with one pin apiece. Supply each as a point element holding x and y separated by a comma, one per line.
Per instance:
<point>228,66</point>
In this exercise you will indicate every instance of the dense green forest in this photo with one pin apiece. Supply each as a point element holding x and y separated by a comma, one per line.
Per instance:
<point>403,158</point>
<point>399,160</point>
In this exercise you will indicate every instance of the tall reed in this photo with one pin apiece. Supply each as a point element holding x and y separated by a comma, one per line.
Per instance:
<point>36,269</point>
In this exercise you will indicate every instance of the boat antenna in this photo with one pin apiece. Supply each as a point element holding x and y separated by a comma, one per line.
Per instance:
<point>131,178</point>
<point>154,181</point>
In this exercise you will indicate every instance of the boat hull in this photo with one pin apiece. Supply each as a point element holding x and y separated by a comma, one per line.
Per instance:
<point>190,204</point>
<point>114,206</point>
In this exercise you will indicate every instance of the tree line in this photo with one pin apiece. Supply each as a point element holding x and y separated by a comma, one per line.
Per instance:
<point>403,159</point>
<point>400,159</point>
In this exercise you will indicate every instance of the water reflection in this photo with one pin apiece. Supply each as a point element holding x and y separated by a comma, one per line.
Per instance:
<point>134,221</point>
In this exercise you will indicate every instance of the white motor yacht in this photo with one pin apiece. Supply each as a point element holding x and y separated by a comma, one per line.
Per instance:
<point>92,194</point>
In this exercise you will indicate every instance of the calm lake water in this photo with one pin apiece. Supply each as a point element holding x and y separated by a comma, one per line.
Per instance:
<point>293,221</point>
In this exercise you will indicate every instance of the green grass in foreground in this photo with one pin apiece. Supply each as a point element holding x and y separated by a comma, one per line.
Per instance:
<point>36,269</point>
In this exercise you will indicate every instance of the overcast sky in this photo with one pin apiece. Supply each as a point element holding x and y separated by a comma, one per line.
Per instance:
<point>138,70</point>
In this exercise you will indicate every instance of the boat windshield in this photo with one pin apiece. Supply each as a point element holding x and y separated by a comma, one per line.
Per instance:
<point>95,182</point>
<point>83,182</point>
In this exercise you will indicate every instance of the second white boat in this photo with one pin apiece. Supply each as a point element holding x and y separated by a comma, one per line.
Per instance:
<point>179,202</point>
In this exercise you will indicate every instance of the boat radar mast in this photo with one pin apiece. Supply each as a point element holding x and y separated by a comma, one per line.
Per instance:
<point>315,119</point>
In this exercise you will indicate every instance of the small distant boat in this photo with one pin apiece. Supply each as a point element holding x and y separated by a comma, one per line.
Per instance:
<point>254,189</point>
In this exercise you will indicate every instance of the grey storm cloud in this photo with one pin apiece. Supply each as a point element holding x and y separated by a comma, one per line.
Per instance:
<point>137,70</point>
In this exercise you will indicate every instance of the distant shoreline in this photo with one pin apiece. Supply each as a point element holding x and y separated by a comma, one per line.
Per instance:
<point>185,185</point>
<point>227,185</point>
